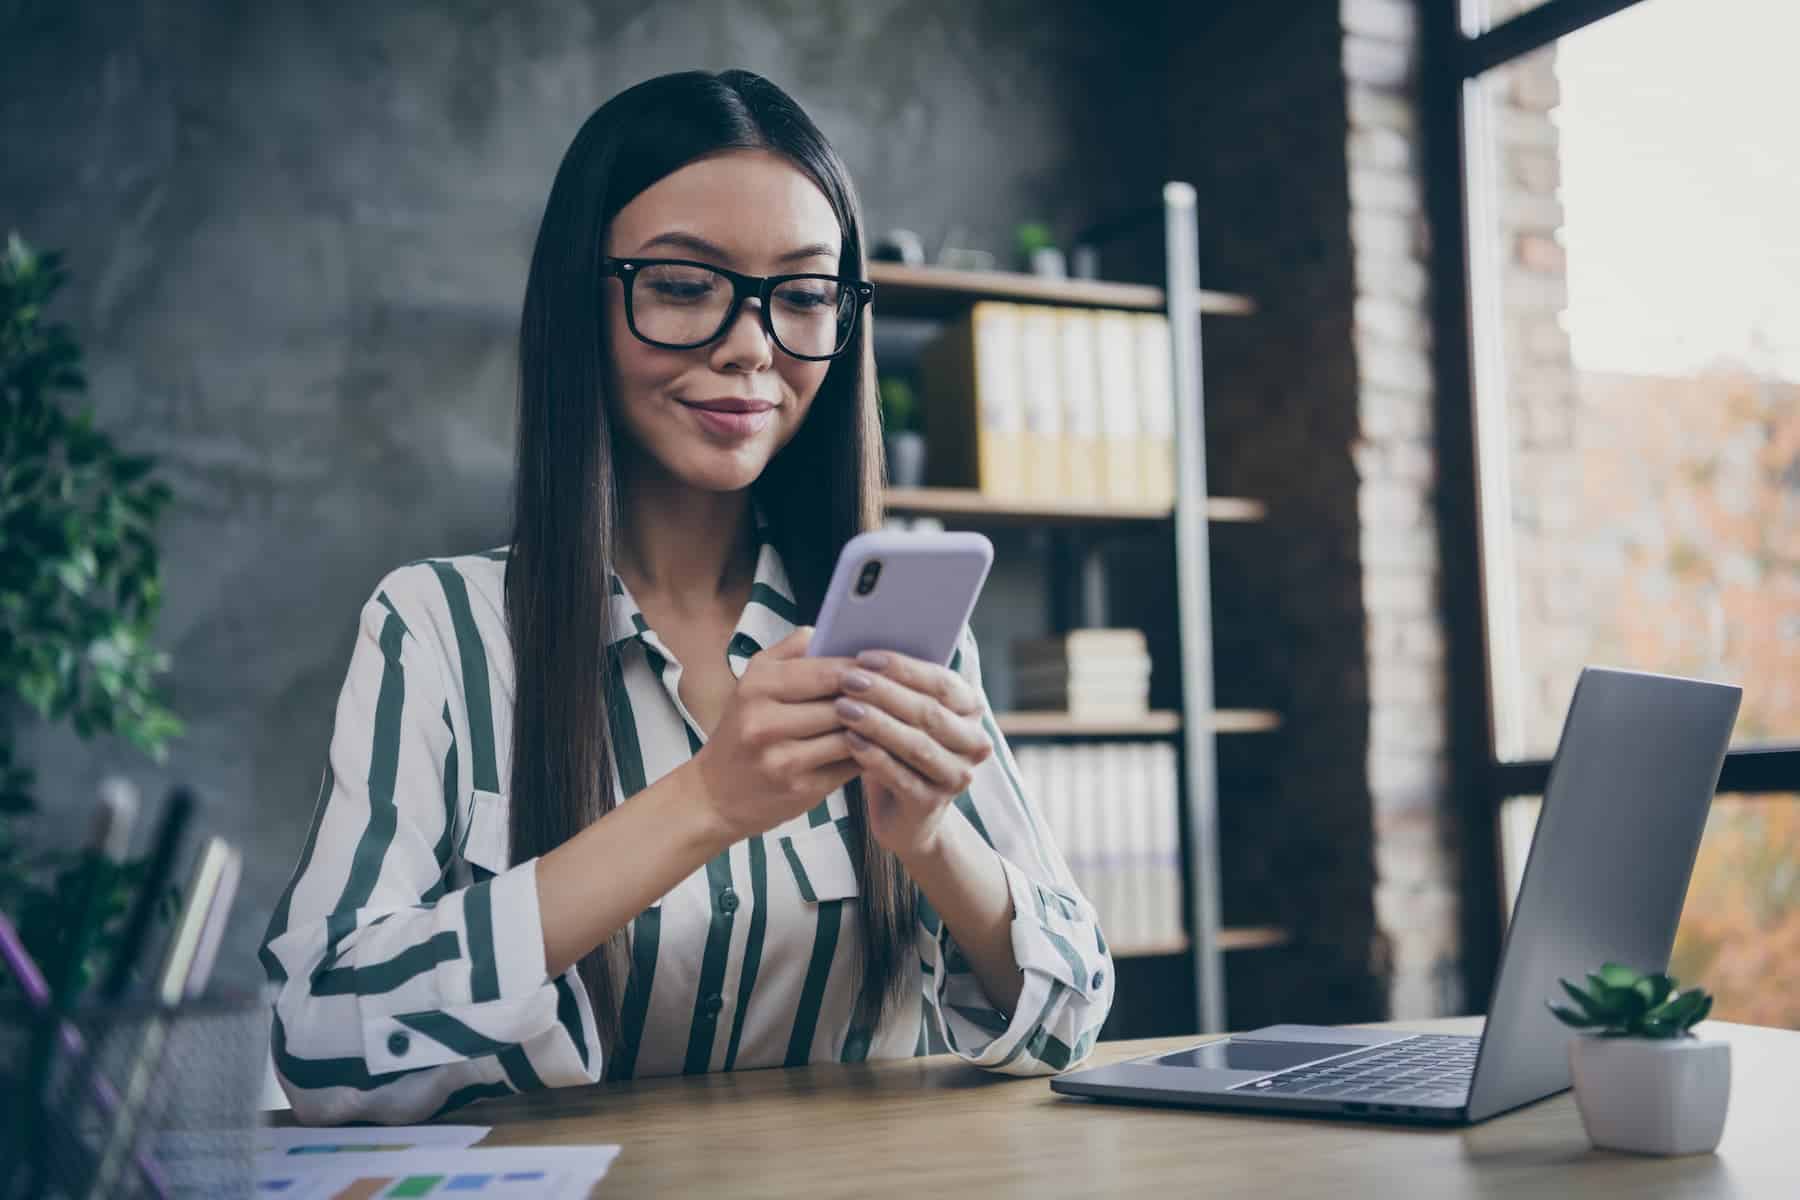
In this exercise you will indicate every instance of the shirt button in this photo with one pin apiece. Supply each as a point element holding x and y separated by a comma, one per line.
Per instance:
<point>398,1043</point>
<point>712,1004</point>
<point>1099,978</point>
<point>728,901</point>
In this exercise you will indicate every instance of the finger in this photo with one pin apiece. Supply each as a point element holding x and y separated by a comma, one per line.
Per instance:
<point>792,646</point>
<point>832,776</point>
<point>796,680</point>
<point>918,750</point>
<point>941,683</point>
<point>880,765</point>
<point>958,734</point>
<point>782,722</point>
<point>825,752</point>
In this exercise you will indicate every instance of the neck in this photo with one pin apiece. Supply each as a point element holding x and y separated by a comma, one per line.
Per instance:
<point>683,543</point>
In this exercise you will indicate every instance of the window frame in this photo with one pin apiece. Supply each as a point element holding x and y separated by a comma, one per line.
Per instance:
<point>1452,61</point>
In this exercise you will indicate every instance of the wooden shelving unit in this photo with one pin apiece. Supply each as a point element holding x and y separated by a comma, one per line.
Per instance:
<point>1162,723</point>
<point>909,291</point>
<point>974,506</point>
<point>1077,532</point>
<point>1252,937</point>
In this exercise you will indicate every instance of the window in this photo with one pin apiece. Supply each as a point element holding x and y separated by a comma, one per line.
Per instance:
<point>1630,287</point>
<point>1740,930</point>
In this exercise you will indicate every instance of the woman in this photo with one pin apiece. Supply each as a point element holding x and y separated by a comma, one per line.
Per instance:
<point>589,808</point>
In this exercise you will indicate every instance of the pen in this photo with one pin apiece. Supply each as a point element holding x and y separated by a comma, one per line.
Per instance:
<point>176,812</point>
<point>37,993</point>
<point>217,861</point>
<point>95,873</point>
<point>107,845</point>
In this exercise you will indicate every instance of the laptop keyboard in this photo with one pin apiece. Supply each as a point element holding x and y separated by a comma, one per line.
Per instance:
<point>1431,1069</point>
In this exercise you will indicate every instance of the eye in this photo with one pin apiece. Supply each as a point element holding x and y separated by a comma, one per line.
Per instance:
<point>679,285</point>
<point>808,295</point>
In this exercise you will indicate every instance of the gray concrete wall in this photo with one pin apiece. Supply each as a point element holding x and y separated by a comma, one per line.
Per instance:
<point>299,235</point>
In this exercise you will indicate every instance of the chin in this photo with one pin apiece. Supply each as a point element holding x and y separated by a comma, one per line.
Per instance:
<point>711,469</point>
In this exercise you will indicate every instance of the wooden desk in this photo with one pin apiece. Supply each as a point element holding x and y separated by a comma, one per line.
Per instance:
<point>932,1127</point>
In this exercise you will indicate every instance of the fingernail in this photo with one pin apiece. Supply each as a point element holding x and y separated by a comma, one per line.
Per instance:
<point>856,739</point>
<point>875,660</point>
<point>856,681</point>
<point>850,710</point>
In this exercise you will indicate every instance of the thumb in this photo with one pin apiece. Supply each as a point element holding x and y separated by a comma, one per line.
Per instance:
<point>792,646</point>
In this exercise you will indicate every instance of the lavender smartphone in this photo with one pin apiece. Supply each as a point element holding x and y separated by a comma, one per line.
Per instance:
<point>907,592</point>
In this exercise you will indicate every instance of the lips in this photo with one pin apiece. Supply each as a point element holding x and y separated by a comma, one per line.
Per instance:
<point>732,417</point>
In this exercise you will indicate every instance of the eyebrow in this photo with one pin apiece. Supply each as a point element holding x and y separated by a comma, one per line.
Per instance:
<point>699,245</point>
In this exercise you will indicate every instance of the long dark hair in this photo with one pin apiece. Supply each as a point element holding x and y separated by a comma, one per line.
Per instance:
<point>818,492</point>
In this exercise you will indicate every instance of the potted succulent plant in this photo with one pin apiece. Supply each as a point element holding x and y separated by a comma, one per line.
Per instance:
<point>901,439</point>
<point>1038,250</point>
<point>1643,1081</point>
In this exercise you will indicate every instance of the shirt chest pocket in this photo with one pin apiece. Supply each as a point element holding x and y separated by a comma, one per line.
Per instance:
<point>487,839</point>
<point>821,861</point>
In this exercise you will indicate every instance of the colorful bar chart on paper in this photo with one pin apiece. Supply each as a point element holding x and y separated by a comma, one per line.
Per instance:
<point>455,1174</point>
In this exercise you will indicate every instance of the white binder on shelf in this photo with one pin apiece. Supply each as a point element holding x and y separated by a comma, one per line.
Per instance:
<point>1040,373</point>
<point>1156,394</point>
<point>1081,405</point>
<point>1116,355</point>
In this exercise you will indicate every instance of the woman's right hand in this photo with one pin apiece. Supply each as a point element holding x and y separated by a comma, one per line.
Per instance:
<point>780,746</point>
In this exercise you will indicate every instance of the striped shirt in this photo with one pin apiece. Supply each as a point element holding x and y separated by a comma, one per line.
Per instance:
<point>407,949</point>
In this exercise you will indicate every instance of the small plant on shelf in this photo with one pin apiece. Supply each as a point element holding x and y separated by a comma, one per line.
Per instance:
<point>903,441</point>
<point>1038,250</point>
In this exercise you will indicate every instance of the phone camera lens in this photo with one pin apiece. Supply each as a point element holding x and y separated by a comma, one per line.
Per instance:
<point>865,582</point>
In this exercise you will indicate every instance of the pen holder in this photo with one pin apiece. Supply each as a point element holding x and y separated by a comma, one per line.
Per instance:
<point>136,1101</point>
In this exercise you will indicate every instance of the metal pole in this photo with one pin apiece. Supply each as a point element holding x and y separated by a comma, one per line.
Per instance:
<point>1181,239</point>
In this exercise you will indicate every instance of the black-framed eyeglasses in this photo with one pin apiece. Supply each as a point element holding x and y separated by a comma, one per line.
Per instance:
<point>679,304</point>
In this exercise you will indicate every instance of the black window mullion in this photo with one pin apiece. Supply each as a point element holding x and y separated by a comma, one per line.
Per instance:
<point>1528,31</point>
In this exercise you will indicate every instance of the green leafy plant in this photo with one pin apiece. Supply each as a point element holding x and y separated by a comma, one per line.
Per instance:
<point>1620,1002</point>
<point>79,577</point>
<point>899,407</point>
<point>1032,236</point>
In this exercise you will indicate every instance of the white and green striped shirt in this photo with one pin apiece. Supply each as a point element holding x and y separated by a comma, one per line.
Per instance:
<point>408,949</point>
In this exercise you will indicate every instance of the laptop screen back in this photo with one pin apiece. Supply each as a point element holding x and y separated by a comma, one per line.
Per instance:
<point>1623,811</point>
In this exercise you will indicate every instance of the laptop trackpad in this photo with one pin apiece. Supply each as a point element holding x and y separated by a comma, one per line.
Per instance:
<point>1235,1054</point>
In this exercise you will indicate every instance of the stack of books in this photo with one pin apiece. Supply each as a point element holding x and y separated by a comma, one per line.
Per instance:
<point>1113,811</point>
<point>1028,402</point>
<point>1091,674</point>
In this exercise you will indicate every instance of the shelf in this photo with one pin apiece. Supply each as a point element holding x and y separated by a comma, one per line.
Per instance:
<point>973,505</point>
<point>1151,949</point>
<point>926,291</point>
<point>1031,723</point>
<point>1061,724</point>
<point>1256,937</point>
<point>1245,720</point>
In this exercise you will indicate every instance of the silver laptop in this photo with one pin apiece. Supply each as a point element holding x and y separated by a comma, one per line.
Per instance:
<point>1629,790</point>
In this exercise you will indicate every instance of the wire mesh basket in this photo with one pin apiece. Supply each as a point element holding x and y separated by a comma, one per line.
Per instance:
<point>132,1101</point>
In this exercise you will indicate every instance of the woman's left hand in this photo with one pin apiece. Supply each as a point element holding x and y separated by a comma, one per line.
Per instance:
<point>915,729</point>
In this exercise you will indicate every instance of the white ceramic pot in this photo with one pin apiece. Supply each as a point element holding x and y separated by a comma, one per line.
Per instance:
<point>1652,1096</point>
<point>905,459</point>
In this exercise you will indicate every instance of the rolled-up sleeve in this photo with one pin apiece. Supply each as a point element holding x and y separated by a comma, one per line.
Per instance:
<point>1066,968</point>
<point>396,998</point>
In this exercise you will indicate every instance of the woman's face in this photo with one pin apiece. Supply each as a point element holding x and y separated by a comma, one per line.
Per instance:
<point>714,416</point>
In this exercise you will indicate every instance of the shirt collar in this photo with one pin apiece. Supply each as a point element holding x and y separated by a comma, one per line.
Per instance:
<point>771,614</point>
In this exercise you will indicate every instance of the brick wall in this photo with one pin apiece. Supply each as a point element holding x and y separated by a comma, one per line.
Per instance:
<point>1416,888</point>
<point>1519,226</point>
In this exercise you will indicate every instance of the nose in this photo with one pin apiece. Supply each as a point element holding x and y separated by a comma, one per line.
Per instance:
<point>745,345</point>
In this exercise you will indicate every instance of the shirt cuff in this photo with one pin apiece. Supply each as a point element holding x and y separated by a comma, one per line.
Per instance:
<point>495,995</point>
<point>1054,974</point>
